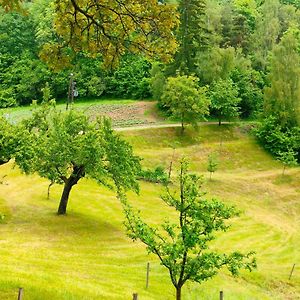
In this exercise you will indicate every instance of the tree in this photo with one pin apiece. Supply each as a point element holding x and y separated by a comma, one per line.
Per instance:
<point>239,18</point>
<point>192,35</point>
<point>157,81</point>
<point>216,63</point>
<point>11,4</point>
<point>277,139</point>
<point>184,100</point>
<point>183,247</point>
<point>288,159</point>
<point>112,28</point>
<point>7,141</point>
<point>267,32</point>
<point>282,97</point>
<point>65,147</point>
<point>212,164</point>
<point>224,99</point>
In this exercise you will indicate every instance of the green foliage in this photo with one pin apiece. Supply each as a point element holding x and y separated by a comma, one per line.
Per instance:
<point>157,81</point>
<point>249,83</point>
<point>136,27</point>
<point>192,35</point>
<point>277,139</point>
<point>130,79</point>
<point>7,98</point>
<point>65,147</point>
<point>288,159</point>
<point>183,247</point>
<point>267,32</point>
<point>157,175</point>
<point>224,99</point>
<point>215,64</point>
<point>8,142</point>
<point>238,20</point>
<point>184,100</point>
<point>212,163</point>
<point>282,97</point>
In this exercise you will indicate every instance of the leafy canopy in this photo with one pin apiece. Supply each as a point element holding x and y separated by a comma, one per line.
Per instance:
<point>112,28</point>
<point>185,100</point>
<point>7,140</point>
<point>65,147</point>
<point>224,99</point>
<point>183,246</point>
<point>282,97</point>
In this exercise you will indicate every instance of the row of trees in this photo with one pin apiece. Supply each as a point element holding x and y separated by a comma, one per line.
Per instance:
<point>218,40</point>
<point>245,55</point>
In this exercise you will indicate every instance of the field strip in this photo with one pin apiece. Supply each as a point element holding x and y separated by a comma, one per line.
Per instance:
<point>150,126</point>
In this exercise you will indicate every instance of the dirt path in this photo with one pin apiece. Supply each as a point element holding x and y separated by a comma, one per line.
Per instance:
<point>160,125</point>
<point>147,126</point>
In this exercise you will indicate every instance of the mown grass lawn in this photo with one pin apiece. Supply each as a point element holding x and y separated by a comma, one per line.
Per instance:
<point>86,254</point>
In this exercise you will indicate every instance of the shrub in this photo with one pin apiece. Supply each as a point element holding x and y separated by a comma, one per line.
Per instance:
<point>158,175</point>
<point>277,139</point>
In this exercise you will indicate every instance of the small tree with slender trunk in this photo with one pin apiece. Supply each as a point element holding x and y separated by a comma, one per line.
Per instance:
<point>224,100</point>
<point>212,164</point>
<point>288,159</point>
<point>182,247</point>
<point>185,100</point>
<point>65,147</point>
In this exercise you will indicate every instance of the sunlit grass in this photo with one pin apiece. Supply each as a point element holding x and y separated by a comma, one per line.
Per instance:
<point>86,254</point>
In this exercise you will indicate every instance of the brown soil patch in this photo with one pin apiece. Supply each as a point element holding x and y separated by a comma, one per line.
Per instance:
<point>139,113</point>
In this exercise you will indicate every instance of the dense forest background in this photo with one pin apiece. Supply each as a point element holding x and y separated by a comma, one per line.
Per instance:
<point>246,53</point>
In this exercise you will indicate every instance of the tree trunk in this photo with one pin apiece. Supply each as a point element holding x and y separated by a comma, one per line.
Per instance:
<point>178,293</point>
<point>78,172</point>
<point>48,192</point>
<point>283,170</point>
<point>219,121</point>
<point>62,209</point>
<point>182,127</point>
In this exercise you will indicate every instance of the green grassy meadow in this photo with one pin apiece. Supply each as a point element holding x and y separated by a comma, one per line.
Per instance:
<point>86,254</point>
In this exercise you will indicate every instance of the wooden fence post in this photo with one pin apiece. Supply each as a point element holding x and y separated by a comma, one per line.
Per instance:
<point>20,295</point>
<point>221,295</point>
<point>135,296</point>
<point>292,271</point>
<point>147,275</point>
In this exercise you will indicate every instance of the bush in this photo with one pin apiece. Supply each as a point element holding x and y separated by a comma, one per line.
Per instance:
<point>158,175</point>
<point>277,139</point>
<point>7,98</point>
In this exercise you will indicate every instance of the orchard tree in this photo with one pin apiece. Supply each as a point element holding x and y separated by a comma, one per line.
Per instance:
<point>185,100</point>
<point>224,99</point>
<point>65,147</point>
<point>183,247</point>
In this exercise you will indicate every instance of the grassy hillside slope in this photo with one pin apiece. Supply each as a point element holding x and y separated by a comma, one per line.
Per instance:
<point>86,255</point>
